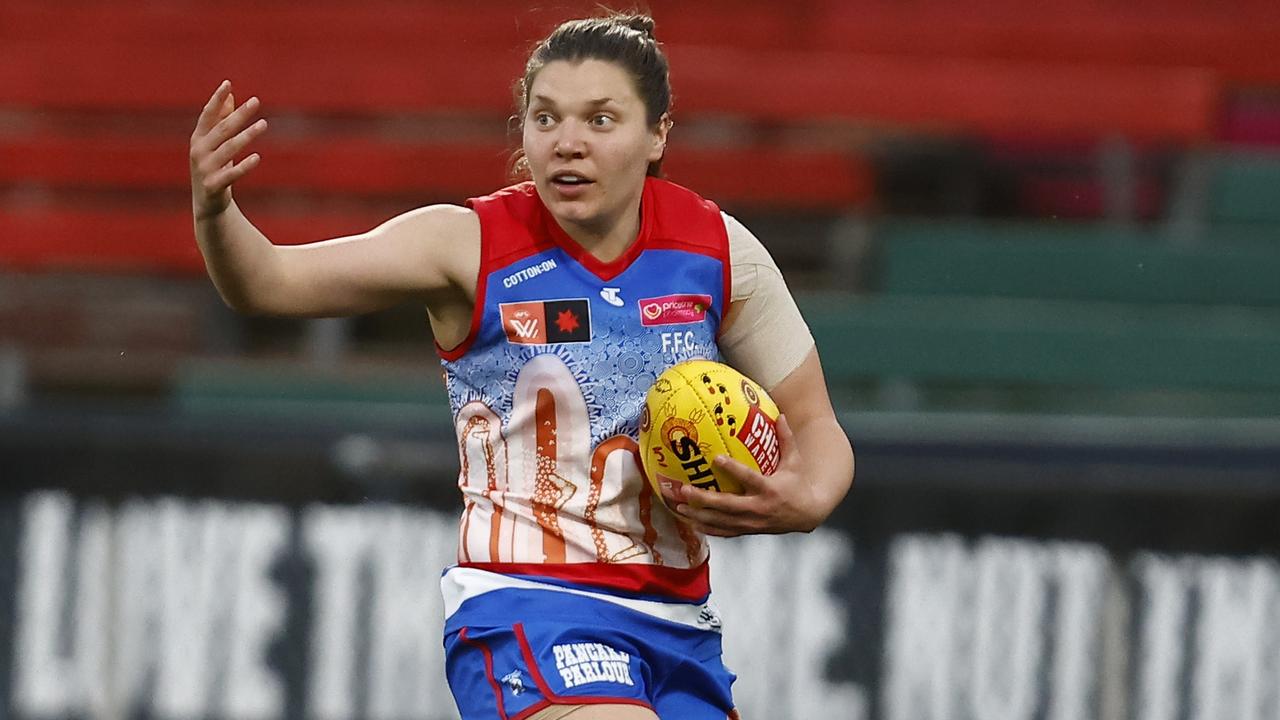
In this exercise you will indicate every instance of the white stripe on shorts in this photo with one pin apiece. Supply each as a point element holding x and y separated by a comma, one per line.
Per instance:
<point>460,584</point>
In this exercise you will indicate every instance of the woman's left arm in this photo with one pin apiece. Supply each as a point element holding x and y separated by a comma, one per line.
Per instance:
<point>812,478</point>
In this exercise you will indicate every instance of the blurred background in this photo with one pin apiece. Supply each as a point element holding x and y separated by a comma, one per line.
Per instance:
<point>1039,246</point>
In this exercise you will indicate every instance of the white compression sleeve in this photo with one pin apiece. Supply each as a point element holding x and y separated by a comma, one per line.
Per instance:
<point>767,338</point>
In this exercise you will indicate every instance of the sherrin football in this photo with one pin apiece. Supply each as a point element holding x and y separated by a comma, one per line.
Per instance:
<point>700,409</point>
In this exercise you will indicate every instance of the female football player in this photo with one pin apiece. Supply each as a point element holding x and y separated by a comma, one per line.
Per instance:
<point>555,303</point>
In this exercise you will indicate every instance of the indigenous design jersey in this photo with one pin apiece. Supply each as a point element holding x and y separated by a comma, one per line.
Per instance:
<point>548,387</point>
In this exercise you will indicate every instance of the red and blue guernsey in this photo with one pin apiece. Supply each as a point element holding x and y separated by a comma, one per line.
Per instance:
<point>548,387</point>
<point>574,584</point>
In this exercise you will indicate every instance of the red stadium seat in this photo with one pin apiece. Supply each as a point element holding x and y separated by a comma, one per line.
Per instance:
<point>959,95</point>
<point>122,233</point>
<point>1234,40</point>
<point>135,73</point>
<point>974,95</point>
<point>136,239</point>
<point>359,164</point>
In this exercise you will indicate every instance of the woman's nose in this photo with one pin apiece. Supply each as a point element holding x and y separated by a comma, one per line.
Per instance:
<point>570,141</point>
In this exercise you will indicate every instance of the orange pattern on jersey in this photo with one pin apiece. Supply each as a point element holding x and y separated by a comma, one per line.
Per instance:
<point>550,491</point>
<point>466,528</point>
<point>480,427</point>
<point>521,484</point>
<point>486,520</point>
<point>693,549</point>
<point>463,554</point>
<point>650,538</point>
<point>466,467</point>
<point>598,460</point>
<point>477,428</point>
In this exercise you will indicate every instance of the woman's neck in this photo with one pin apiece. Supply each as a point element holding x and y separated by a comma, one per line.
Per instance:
<point>609,243</point>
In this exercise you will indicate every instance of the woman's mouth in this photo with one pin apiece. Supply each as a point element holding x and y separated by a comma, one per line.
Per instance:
<point>570,178</point>
<point>570,184</point>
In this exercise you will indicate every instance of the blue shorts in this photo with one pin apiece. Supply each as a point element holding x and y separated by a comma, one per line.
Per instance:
<point>513,650</point>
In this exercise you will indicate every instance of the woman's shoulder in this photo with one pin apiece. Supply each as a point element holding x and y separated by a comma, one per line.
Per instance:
<point>677,197</point>
<point>445,237</point>
<point>678,214</point>
<point>444,223</point>
<point>522,193</point>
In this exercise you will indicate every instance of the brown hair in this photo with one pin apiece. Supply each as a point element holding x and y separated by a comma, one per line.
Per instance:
<point>623,39</point>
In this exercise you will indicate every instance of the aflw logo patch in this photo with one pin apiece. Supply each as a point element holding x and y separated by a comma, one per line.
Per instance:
<point>545,322</point>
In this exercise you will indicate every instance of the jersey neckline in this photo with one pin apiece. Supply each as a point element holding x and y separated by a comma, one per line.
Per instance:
<point>604,270</point>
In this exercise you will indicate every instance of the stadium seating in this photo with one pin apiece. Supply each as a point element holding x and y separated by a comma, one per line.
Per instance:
<point>104,99</point>
<point>368,166</point>
<point>1062,309</point>
<point>973,341</point>
<point>1090,262</point>
<point>127,78</point>
<point>1246,190</point>
<point>150,235</point>
<point>1233,41</point>
<point>280,390</point>
<point>781,108</point>
<point>972,94</point>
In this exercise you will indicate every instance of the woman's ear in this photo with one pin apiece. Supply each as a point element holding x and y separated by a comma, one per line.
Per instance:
<point>660,137</point>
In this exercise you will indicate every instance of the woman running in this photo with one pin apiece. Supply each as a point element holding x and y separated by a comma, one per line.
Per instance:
<point>555,303</point>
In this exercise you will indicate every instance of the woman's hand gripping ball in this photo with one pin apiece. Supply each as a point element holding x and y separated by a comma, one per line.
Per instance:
<point>778,503</point>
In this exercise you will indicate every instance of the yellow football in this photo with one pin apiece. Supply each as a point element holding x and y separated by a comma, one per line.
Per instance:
<point>700,409</point>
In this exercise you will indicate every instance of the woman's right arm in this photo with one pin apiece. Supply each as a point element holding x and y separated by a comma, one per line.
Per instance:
<point>428,254</point>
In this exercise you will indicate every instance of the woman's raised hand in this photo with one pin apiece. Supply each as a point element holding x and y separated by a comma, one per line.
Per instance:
<point>222,132</point>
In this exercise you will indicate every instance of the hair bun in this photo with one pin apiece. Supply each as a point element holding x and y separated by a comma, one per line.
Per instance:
<point>642,23</point>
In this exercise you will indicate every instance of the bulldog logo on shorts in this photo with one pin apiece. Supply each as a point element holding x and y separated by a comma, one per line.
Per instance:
<point>515,681</point>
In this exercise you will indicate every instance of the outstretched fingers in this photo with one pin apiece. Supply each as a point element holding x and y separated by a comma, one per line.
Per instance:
<point>231,173</point>
<point>231,124</point>
<point>223,132</point>
<point>212,111</point>
<point>229,150</point>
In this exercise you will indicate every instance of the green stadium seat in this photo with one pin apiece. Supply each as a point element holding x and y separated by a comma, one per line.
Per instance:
<point>1074,261</point>
<point>1061,315</point>
<point>1039,342</point>
<point>1246,189</point>
<point>287,389</point>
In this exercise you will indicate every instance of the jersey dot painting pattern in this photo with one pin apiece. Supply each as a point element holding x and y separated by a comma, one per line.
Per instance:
<point>547,392</point>
<point>548,389</point>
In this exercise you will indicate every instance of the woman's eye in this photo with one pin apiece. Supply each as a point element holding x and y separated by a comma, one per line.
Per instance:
<point>543,119</point>
<point>601,120</point>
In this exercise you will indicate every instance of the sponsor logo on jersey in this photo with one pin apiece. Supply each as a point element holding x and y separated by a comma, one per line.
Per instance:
<point>546,322</point>
<point>610,295</point>
<point>674,309</point>
<point>532,271</point>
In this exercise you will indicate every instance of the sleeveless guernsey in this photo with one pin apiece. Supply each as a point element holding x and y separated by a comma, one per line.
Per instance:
<point>547,389</point>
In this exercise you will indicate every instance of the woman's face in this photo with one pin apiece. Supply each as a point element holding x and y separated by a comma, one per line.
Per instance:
<point>588,142</point>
